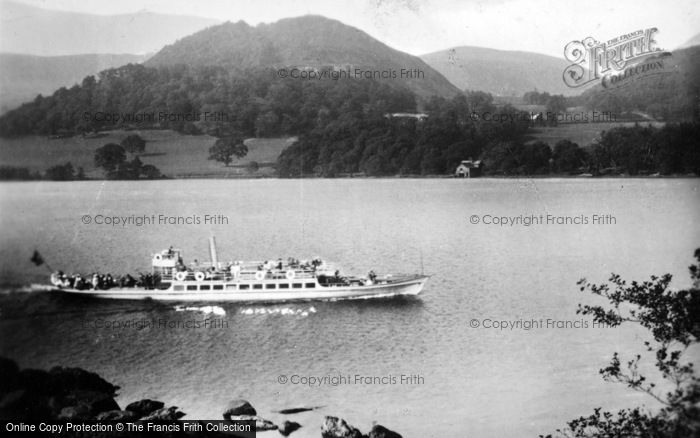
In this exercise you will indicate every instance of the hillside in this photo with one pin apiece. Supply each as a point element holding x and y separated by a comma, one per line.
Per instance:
<point>694,41</point>
<point>36,31</point>
<point>22,77</point>
<point>308,41</point>
<point>192,100</point>
<point>673,95</point>
<point>500,72</point>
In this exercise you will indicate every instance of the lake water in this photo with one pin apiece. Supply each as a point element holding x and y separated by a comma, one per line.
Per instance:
<point>480,381</point>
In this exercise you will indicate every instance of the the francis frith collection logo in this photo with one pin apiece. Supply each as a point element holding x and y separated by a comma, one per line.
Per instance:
<point>614,62</point>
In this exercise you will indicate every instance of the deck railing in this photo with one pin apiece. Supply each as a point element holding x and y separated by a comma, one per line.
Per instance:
<point>247,275</point>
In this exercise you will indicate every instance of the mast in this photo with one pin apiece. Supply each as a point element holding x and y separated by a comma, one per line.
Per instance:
<point>212,252</point>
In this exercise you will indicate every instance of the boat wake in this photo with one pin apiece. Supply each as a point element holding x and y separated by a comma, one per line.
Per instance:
<point>207,310</point>
<point>286,311</point>
<point>13,289</point>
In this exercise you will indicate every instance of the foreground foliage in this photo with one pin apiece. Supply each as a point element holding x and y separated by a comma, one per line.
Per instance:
<point>673,320</point>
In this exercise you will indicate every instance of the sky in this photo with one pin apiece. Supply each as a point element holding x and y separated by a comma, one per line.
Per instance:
<point>424,26</point>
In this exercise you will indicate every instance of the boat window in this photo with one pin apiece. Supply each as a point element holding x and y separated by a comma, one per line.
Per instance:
<point>204,287</point>
<point>233,286</point>
<point>191,287</point>
<point>257,286</point>
<point>245,287</point>
<point>310,285</point>
<point>297,285</point>
<point>220,286</point>
<point>179,287</point>
<point>284,285</point>
<point>270,286</point>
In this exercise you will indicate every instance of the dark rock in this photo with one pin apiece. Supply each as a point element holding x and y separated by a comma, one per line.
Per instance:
<point>56,404</point>
<point>70,379</point>
<point>144,407</point>
<point>10,375</point>
<point>62,393</point>
<point>60,381</point>
<point>288,427</point>
<point>334,427</point>
<point>261,424</point>
<point>238,407</point>
<point>72,413</point>
<point>164,414</point>
<point>24,405</point>
<point>117,416</point>
<point>297,410</point>
<point>95,401</point>
<point>379,431</point>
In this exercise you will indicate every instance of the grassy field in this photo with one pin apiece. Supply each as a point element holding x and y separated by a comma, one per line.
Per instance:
<point>185,156</point>
<point>583,134</point>
<point>174,154</point>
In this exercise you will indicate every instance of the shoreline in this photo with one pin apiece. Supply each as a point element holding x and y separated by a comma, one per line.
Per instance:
<point>395,177</point>
<point>77,396</point>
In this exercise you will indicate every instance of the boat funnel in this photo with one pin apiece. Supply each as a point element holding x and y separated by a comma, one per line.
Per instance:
<point>212,252</point>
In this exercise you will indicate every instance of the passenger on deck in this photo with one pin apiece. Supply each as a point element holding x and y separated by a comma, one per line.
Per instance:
<point>130,281</point>
<point>236,270</point>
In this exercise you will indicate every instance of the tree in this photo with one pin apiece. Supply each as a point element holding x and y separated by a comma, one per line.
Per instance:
<point>226,148</point>
<point>673,319</point>
<point>535,158</point>
<point>127,170</point>
<point>630,148</point>
<point>503,158</point>
<point>568,156</point>
<point>266,124</point>
<point>556,104</point>
<point>133,144</point>
<point>253,166</point>
<point>109,157</point>
<point>9,173</point>
<point>150,171</point>
<point>61,172</point>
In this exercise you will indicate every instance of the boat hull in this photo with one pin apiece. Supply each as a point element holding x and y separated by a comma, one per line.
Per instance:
<point>412,286</point>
